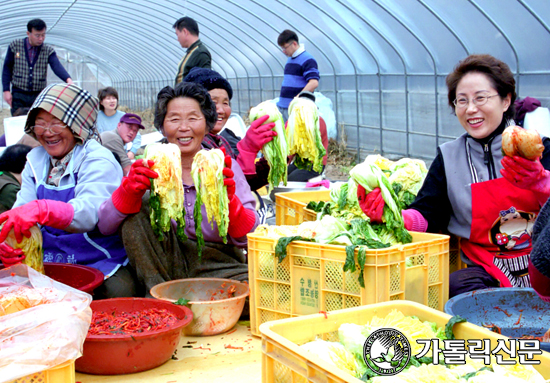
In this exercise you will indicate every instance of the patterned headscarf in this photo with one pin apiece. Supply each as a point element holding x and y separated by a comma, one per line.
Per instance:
<point>74,106</point>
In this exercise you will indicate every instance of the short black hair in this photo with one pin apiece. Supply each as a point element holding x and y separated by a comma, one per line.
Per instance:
<point>14,158</point>
<point>286,37</point>
<point>187,23</point>
<point>185,90</point>
<point>497,71</point>
<point>103,93</point>
<point>36,24</point>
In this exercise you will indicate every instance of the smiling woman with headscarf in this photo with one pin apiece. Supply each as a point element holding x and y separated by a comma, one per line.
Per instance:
<point>63,184</point>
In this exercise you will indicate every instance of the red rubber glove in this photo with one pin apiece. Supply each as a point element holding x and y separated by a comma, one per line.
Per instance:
<point>241,220</point>
<point>257,135</point>
<point>371,203</point>
<point>10,256</point>
<point>529,175</point>
<point>127,197</point>
<point>46,212</point>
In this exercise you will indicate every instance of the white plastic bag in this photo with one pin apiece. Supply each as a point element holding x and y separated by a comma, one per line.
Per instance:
<point>538,119</point>
<point>45,335</point>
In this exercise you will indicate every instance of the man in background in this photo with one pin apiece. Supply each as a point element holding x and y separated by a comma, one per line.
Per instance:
<point>187,31</point>
<point>301,72</point>
<point>116,140</point>
<point>26,67</point>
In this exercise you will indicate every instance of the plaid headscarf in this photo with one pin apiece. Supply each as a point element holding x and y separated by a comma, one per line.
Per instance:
<point>74,106</point>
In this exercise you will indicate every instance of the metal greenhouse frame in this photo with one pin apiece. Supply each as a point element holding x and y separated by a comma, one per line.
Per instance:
<point>383,63</point>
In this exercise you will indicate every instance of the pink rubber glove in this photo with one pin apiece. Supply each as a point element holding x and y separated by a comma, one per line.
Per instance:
<point>46,212</point>
<point>256,137</point>
<point>372,204</point>
<point>241,220</point>
<point>529,175</point>
<point>127,197</point>
<point>10,256</point>
<point>413,220</point>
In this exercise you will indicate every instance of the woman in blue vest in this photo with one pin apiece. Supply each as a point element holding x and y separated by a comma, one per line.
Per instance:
<point>63,184</point>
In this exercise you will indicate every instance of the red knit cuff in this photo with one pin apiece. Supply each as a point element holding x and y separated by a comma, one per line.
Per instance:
<point>414,220</point>
<point>539,282</point>
<point>124,203</point>
<point>241,220</point>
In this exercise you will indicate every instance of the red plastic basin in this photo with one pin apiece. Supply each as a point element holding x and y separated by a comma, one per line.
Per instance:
<point>83,278</point>
<point>124,354</point>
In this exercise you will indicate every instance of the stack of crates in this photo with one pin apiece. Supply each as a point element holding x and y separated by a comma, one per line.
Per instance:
<point>311,277</point>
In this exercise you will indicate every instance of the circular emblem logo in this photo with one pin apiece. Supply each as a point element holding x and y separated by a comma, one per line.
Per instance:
<point>387,351</point>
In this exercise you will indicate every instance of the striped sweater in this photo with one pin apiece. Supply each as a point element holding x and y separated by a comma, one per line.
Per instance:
<point>298,71</point>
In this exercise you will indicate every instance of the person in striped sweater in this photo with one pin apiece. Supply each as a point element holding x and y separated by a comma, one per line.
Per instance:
<point>301,72</point>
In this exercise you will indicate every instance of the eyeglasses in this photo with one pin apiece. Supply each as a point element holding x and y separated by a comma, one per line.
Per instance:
<point>284,48</point>
<point>480,100</point>
<point>39,35</point>
<point>53,129</point>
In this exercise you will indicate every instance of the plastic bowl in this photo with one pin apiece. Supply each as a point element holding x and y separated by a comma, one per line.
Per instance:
<point>502,307</point>
<point>213,311</point>
<point>83,278</point>
<point>124,354</point>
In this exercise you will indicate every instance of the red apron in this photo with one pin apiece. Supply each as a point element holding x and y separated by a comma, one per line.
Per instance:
<point>503,216</point>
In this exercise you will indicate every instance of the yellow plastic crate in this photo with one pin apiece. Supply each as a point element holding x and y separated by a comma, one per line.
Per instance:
<point>311,278</point>
<point>64,373</point>
<point>284,361</point>
<point>291,210</point>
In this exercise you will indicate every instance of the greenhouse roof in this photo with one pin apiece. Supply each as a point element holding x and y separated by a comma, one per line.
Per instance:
<point>134,38</point>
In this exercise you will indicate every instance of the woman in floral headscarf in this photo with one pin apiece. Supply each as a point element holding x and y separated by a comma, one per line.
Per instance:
<point>63,184</point>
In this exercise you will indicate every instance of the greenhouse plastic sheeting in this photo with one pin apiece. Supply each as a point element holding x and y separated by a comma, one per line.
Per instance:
<point>383,63</point>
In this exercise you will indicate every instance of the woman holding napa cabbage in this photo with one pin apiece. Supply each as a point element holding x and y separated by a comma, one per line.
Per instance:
<point>64,182</point>
<point>266,134</point>
<point>162,251</point>
<point>487,198</point>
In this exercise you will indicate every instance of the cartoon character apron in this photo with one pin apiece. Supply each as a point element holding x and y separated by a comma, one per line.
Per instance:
<point>105,253</point>
<point>503,216</point>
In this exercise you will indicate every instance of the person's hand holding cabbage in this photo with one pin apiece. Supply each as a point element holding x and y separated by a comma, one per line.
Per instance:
<point>127,198</point>
<point>21,219</point>
<point>258,134</point>
<point>194,221</point>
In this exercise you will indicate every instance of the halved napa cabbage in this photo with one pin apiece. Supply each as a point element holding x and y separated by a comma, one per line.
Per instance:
<point>32,248</point>
<point>303,135</point>
<point>207,172</point>
<point>276,150</point>
<point>167,197</point>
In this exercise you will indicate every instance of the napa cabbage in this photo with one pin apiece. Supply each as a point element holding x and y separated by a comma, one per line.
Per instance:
<point>167,197</point>
<point>303,135</point>
<point>32,248</point>
<point>275,151</point>
<point>370,176</point>
<point>335,354</point>
<point>207,173</point>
